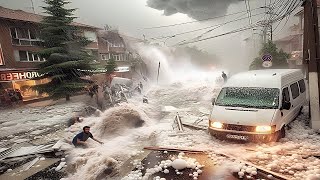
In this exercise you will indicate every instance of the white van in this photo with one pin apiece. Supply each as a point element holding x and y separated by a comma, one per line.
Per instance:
<point>257,105</point>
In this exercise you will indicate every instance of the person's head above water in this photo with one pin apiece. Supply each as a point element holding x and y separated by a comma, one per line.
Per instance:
<point>86,129</point>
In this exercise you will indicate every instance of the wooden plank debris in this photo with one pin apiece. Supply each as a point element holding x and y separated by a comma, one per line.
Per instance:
<point>19,174</point>
<point>290,153</point>
<point>18,151</point>
<point>196,127</point>
<point>30,164</point>
<point>154,148</point>
<point>259,168</point>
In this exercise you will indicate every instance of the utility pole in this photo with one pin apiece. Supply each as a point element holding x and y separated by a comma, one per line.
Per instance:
<point>271,31</point>
<point>32,6</point>
<point>311,57</point>
<point>158,73</point>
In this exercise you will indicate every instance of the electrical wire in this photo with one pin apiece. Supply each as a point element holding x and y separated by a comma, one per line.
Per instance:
<point>200,29</point>
<point>289,10</point>
<point>207,19</point>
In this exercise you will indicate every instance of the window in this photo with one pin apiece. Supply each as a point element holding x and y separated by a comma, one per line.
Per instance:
<point>116,45</point>
<point>25,37</point>
<point>29,56</point>
<point>23,56</point>
<point>261,98</point>
<point>90,35</point>
<point>302,86</point>
<point>105,57</point>
<point>294,90</point>
<point>285,95</point>
<point>117,57</point>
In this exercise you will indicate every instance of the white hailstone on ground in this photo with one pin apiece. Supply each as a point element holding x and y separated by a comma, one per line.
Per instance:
<point>162,178</point>
<point>63,159</point>
<point>199,171</point>
<point>253,173</point>
<point>166,171</point>
<point>178,173</point>
<point>195,178</point>
<point>298,166</point>
<point>313,177</point>
<point>165,167</point>
<point>157,177</point>
<point>189,165</point>
<point>270,176</point>
<point>235,169</point>
<point>43,158</point>
<point>165,152</point>
<point>241,174</point>
<point>179,164</point>
<point>248,170</point>
<point>291,172</point>
<point>9,170</point>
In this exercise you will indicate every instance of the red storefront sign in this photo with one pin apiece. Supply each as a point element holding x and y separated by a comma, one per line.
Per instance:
<point>10,76</point>
<point>1,56</point>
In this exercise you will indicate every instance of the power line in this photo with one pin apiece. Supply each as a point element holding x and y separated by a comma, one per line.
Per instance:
<point>216,17</point>
<point>200,36</point>
<point>248,11</point>
<point>288,12</point>
<point>295,6</point>
<point>186,32</point>
<point>223,34</point>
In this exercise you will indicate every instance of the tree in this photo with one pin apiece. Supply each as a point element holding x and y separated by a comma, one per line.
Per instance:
<point>111,65</point>
<point>67,62</point>
<point>279,57</point>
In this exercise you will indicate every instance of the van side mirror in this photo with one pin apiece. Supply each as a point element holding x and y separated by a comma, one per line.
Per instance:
<point>286,105</point>
<point>213,101</point>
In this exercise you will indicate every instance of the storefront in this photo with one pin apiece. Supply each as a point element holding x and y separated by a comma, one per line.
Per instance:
<point>20,81</point>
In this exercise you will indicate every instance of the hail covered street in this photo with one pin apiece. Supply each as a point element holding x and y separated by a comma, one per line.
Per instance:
<point>130,127</point>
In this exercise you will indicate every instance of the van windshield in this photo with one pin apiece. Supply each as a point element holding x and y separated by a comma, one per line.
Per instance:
<point>247,97</point>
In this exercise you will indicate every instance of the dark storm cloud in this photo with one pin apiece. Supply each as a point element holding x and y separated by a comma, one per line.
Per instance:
<point>197,9</point>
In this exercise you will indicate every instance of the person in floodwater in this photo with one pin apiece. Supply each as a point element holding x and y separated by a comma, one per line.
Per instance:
<point>224,76</point>
<point>141,86</point>
<point>80,139</point>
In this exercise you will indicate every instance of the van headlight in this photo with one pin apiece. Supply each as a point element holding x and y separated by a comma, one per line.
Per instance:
<point>263,129</point>
<point>217,125</point>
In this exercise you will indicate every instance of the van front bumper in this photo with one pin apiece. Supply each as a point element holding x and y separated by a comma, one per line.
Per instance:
<point>242,135</point>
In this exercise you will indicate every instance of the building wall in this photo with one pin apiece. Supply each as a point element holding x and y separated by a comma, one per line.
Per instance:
<point>8,48</point>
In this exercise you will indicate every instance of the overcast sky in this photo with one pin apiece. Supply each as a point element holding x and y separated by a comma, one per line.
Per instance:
<point>131,16</point>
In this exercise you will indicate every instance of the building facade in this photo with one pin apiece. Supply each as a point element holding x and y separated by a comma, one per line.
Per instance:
<point>19,43</point>
<point>293,43</point>
<point>112,45</point>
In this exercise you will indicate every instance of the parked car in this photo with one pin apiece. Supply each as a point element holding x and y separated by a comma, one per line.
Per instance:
<point>258,105</point>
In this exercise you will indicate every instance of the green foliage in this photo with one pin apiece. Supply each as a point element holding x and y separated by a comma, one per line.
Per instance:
<point>111,65</point>
<point>279,57</point>
<point>67,62</point>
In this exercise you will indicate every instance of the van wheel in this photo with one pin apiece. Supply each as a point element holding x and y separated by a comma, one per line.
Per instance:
<point>300,111</point>
<point>281,133</point>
